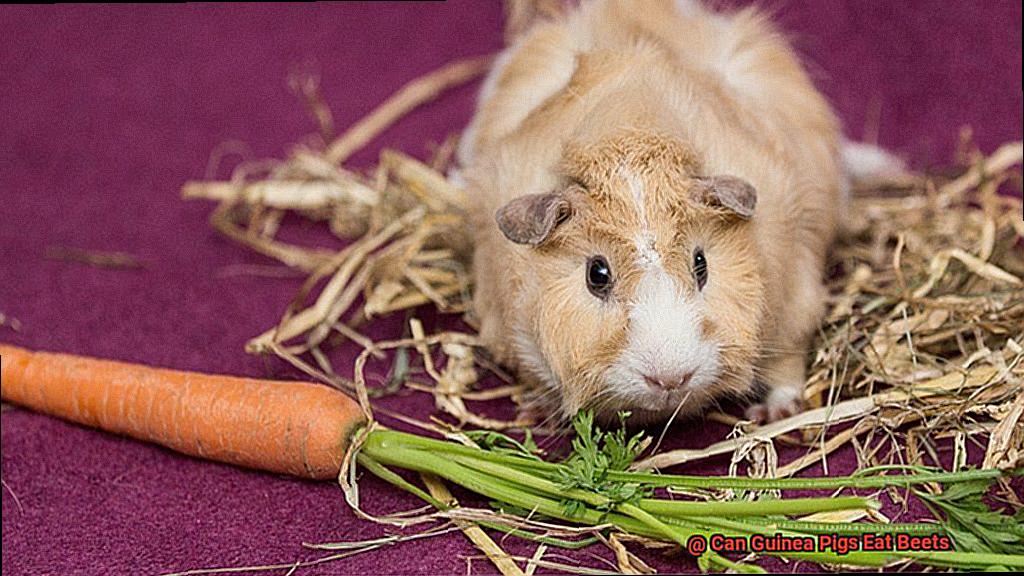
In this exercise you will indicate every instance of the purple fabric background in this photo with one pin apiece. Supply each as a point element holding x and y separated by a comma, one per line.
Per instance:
<point>106,111</point>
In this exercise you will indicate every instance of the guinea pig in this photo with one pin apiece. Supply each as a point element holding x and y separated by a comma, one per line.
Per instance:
<point>654,190</point>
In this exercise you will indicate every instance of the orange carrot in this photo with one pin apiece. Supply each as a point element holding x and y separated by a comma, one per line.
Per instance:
<point>293,428</point>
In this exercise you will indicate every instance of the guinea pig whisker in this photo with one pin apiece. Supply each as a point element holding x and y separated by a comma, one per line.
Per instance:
<point>556,425</point>
<point>600,400</point>
<point>605,399</point>
<point>553,418</point>
<point>671,419</point>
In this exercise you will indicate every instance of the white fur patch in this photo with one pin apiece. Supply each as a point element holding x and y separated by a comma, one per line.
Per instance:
<point>689,8</point>
<point>647,254</point>
<point>456,178</point>
<point>867,162</point>
<point>784,395</point>
<point>664,341</point>
<point>636,187</point>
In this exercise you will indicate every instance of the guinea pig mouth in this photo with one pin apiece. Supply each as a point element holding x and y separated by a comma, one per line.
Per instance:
<point>650,405</point>
<point>666,400</point>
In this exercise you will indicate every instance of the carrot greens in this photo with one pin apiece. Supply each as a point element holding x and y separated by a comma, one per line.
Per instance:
<point>594,487</point>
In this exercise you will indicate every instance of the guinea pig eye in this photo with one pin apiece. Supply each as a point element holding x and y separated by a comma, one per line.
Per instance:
<point>700,268</point>
<point>599,277</point>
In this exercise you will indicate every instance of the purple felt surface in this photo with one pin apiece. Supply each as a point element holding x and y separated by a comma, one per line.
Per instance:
<point>106,111</point>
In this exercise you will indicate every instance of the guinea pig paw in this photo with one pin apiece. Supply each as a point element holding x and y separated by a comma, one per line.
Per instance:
<point>781,402</point>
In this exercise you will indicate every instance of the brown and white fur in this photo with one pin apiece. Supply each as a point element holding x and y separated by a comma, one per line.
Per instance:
<point>641,131</point>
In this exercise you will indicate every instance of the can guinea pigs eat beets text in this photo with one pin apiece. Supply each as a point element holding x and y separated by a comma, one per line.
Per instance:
<point>654,189</point>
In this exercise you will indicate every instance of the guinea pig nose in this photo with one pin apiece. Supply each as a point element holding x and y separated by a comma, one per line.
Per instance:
<point>668,382</point>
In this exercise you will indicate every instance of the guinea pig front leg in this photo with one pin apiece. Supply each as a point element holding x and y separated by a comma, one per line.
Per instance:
<point>784,376</point>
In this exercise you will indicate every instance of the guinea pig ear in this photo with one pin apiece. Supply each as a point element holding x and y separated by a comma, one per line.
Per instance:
<point>530,219</point>
<point>729,192</point>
